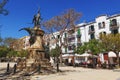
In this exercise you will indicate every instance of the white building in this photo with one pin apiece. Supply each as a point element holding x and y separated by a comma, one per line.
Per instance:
<point>87,31</point>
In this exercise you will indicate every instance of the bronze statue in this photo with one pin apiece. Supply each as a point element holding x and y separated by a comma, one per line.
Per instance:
<point>31,33</point>
<point>37,19</point>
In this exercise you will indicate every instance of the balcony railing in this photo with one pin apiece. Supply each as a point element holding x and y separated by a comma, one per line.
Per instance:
<point>78,36</point>
<point>72,39</point>
<point>114,27</point>
<point>91,31</point>
<point>71,35</point>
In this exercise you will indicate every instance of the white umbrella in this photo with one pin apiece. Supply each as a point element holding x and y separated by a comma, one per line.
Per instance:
<point>119,54</point>
<point>111,54</point>
<point>77,55</point>
<point>85,54</point>
<point>67,55</point>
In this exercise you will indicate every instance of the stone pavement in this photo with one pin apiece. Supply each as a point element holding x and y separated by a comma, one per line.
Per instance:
<point>68,73</point>
<point>79,73</point>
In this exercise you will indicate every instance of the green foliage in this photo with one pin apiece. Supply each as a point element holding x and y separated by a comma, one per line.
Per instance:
<point>93,45</point>
<point>82,49</point>
<point>12,53</point>
<point>110,41</point>
<point>6,52</point>
<point>3,51</point>
<point>7,41</point>
<point>22,53</point>
<point>55,52</point>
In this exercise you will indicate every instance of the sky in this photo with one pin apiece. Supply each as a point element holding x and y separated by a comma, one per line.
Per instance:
<point>21,12</point>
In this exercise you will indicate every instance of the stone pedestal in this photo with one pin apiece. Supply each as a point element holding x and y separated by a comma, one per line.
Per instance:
<point>36,55</point>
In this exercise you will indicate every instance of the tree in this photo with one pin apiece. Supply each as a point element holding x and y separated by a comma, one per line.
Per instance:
<point>60,23</point>
<point>81,49</point>
<point>22,53</point>
<point>93,45</point>
<point>111,42</point>
<point>56,53</point>
<point>3,51</point>
<point>12,53</point>
<point>8,41</point>
<point>2,10</point>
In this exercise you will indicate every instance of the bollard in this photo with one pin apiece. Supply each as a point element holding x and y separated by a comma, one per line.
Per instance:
<point>39,68</point>
<point>8,67</point>
<point>14,70</point>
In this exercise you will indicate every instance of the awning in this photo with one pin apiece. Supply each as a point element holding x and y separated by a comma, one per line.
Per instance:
<point>111,54</point>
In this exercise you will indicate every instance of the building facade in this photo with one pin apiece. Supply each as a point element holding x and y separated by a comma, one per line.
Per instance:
<point>84,32</point>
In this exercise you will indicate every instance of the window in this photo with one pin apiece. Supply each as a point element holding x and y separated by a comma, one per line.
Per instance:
<point>114,31</point>
<point>99,25</point>
<point>58,36</point>
<point>92,36</point>
<point>91,28</point>
<point>113,22</point>
<point>103,24</point>
<point>65,35</point>
<point>52,37</point>
<point>66,49</point>
<point>71,39</point>
<point>69,47</point>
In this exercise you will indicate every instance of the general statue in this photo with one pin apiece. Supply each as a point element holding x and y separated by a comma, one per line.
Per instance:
<point>37,19</point>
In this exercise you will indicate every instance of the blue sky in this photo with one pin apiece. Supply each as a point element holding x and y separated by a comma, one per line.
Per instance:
<point>22,11</point>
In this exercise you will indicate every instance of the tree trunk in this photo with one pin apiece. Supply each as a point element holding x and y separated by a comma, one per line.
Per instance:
<point>118,62</point>
<point>57,64</point>
<point>60,58</point>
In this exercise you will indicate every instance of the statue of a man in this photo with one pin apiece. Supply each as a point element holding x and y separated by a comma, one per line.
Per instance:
<point>37,19</point>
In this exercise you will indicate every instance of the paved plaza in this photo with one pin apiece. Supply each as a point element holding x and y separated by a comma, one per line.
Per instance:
<point>74,73</point>
<point>79,73</point>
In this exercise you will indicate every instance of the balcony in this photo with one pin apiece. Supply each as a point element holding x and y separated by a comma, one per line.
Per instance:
<point>79,44</point>
<point>114,27</point>
<point>71,35</point>
<point>78,36</point>
<point>91,31</point>
<point>71,39</point>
